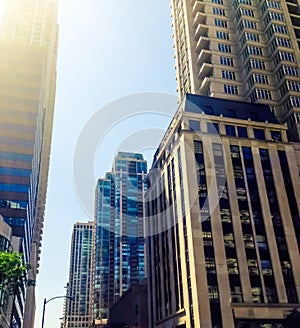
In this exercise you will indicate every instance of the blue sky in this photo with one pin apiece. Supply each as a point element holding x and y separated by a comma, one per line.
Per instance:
<point>107,50</point>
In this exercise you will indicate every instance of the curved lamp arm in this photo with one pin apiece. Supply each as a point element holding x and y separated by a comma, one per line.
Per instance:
<point>51,299</point>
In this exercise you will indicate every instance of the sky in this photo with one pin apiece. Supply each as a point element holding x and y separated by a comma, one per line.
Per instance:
<point>111,55</point>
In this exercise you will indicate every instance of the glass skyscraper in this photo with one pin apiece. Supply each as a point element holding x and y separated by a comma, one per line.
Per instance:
<point>28,50</point>
<point>119,232</point>
<point>246,50</point>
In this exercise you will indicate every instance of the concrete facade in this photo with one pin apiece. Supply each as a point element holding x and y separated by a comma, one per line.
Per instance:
<point>245,50</point>
<point>223,203</point>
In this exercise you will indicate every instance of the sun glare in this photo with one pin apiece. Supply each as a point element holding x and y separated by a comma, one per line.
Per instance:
<point>1,8</point>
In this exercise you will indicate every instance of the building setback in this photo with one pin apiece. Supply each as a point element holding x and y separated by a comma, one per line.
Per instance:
<point>245,50</point>
<point>131,310</point>
<point>28,50</point>
<point>77,310</point>
<point>119,232</point>
<point>223,204</point>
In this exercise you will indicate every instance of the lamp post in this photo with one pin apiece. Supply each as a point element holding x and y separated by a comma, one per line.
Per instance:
<point>51,299</point>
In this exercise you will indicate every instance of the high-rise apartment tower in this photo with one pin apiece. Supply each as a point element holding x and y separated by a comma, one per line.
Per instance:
<point>223,204</point>
<point>246,50</point>
<point>28,50</point>
<point>77,309</point>
<point>119,231</point>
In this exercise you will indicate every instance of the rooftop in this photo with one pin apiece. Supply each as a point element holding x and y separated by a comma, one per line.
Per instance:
<point>229,108</point>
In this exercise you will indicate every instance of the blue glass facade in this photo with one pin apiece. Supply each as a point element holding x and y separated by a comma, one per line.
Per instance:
<point>119,240</point>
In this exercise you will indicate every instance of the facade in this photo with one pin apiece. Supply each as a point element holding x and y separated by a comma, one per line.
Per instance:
<point>223,203</point>
<point>77,310</point>
<point>246,50</point>
<point>28,50</point>
<point>119,232</point>
<point>6,300</point>
<point>131,310</point>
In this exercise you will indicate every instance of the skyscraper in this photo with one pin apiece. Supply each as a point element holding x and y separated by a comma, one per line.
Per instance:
<point>223,204</point>
<point>119,231</point>
<point>28,50</point>
<point>245,50</point>
<point>77,310</point>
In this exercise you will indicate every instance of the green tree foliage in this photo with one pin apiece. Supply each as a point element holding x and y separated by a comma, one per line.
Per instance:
<point>12,271</point>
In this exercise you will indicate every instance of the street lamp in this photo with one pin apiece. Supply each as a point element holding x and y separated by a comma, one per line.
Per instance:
<point>51,299</point>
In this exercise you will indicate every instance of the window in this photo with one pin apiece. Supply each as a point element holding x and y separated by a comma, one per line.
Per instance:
<point>224,47</point>
<point>282,42</point>
<point>230,89</point>
<point>249,24</point>
<point>230,130</point>
<point>261,242</point>
<point>218,11</point>
<point>276,16</point>
<point>219,2</point>
<point>289,70</point>
<point>259,64</point>
<point>259,134</point>
<point>226,61</point>
<point>228,75</point>
<point>295,101</point>
<point>242,132</point>
<point>212,128</point>
<point>252,267</point>
<point>276,135</point>
<point>279,29</point>
<point>220,22</point>
<point>272,4</point>
<point>247,12</point>
<point>293,86</point>
<point>287,56</point>
<point>222,35</point>
<point>213,293</point>
<point>252,50</point>
<point>252,36</point>
<point>194,125</point>
<point>263,94</point>
<point>232,266</point>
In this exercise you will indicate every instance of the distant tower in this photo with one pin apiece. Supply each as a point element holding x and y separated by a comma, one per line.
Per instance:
<point>28,51</point>
<point>245,50</point>
<point>119,231</point>
<point>77,310</point>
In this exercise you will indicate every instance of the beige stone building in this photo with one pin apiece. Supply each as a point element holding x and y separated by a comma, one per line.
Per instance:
<point>245,50</point>
<point>223,204</point>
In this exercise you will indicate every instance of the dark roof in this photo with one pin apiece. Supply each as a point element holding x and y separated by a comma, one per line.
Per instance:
<point>229,108</point>
<point>124,154</point>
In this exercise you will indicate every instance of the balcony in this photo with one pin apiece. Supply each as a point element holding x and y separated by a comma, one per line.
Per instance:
<point>201,30</point>
<point>203,43</point>
<point>204,57</point>
<point>205,71</point>
<point>204,87</point>
<point>198,6</point>
<point>200,18</point>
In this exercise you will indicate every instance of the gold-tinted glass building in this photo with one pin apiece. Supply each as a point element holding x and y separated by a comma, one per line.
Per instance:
<point>223,226</point>
<point>246,50</point>
<point>28,51</point>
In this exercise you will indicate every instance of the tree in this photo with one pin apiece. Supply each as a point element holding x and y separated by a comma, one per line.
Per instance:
<point>12,272</point>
